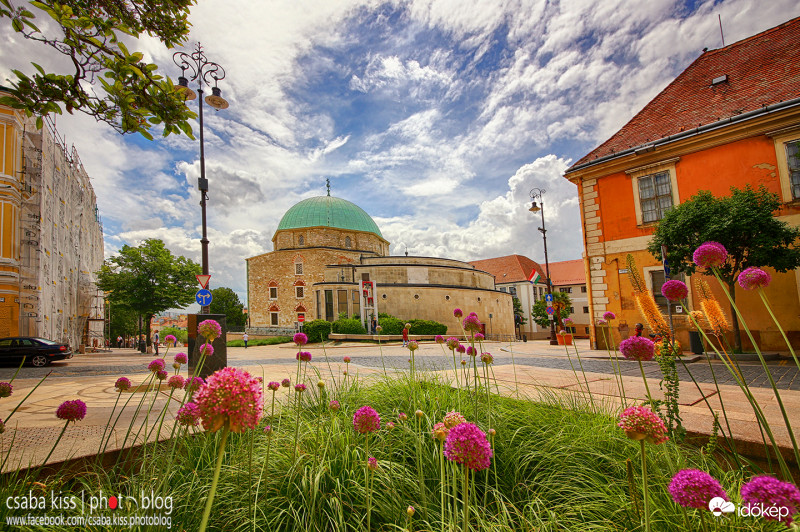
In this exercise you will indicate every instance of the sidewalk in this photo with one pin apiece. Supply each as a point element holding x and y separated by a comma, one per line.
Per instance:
<point>34,427</point>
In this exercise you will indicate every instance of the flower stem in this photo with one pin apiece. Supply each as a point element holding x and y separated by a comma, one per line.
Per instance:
<point>466,498</point>
<point>646,387</point>
<point>54,446</point>
<point>646,498</point>
<point>215,478</point>
<point>785,339</point>
<point>108,423</point>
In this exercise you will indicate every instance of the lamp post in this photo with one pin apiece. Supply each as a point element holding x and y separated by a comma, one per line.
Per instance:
<point>204,72</point>
<point>536,194</point>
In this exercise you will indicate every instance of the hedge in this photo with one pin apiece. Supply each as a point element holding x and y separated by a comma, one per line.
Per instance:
<point>317,330</point>
<point>348,327</point>
<point>427,327</point>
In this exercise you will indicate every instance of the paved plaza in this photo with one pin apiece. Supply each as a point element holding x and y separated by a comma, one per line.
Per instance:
<point>539,371</point>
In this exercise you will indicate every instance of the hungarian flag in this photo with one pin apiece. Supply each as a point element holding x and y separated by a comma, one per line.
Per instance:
<point>534,278</point>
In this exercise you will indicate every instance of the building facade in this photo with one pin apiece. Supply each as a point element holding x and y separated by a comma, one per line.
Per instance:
<point>731,119</point>
<point>325,247</point>
<point>51,243</point>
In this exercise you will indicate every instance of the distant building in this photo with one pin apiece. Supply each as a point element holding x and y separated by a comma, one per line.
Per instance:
<point>178,321</point>
<point>51,242</point>
<point>569,276</point>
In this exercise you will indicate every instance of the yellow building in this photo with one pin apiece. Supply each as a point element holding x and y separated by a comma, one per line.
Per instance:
<point>51,237</point>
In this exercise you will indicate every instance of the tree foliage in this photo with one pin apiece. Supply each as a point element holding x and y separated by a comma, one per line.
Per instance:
<point>561,302</point>
<point>148,279</point>
<point>134,96</point>
<point>743,222</point>
<point>226,301</point>
<point>519,314</point>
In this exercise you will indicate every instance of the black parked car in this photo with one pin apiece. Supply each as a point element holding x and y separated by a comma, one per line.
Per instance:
<point>38,352</point>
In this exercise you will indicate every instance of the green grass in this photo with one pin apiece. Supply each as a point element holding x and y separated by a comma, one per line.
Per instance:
<point>260,341</point>
<point>557,469</point>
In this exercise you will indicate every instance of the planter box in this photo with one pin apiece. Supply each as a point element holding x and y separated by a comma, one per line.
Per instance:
<point>564,339</point>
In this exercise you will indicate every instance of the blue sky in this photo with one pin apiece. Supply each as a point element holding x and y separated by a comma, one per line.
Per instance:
<point>436,117</point>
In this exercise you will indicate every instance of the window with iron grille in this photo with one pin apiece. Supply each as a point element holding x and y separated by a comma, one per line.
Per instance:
<point>298,290</point>
<point>793,160</point>
<point>298,268</point>
<point>655,196</point>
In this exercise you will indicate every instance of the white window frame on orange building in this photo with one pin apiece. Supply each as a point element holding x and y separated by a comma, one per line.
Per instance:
<point>643,171</point>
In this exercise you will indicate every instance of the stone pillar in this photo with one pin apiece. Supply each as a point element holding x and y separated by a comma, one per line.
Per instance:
<point>220,357</point>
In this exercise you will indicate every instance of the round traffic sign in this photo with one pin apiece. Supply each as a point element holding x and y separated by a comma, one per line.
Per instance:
<point>301,318</point>
<point>550,310</point>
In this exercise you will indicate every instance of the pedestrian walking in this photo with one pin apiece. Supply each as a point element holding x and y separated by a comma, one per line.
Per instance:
<point>245,338</point>
<point>155,342</point>
<point>119,341</point>
<point>374,325</point>
<point>405,334</point>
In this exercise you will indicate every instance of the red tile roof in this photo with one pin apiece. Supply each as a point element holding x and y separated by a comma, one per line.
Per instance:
<point>509,269</point>
<point>761,70</point>
<point>568,272</point>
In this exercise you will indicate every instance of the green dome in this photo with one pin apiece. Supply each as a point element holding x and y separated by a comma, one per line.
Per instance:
<point>328,211</point>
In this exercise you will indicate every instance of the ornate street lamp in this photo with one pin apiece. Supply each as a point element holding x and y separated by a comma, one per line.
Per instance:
<point>536,194</point>
<point>205,72</point>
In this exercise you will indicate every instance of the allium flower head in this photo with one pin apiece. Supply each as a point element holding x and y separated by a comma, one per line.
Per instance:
<point>440,431</point>
<point>346,360</point>
<point>419,414</point>
<point>210,329</point>
<point>71,410</point>
<point>461,349</point>
<point>188,415</point>
<point>366,420</point>
<point>752,278</point>
<point>402,416</point>
<point>207,349</point>
<point>161,375</point>
<point>303,356</point>
<point>389,425</point>
<point>463,362</point>
<point>181,358</point>
<point>268,430</point>
<point>770,491</point>
<point>170,339</point>
<point>637,348</point>
<point>156,365</point>
<point>452,343</point>
<point>472,324</point>
<point>286,383</point>
<point>471,351</point>
<point>372,463</point>
<point>710,255</point>
<point>273,386</point>
<point>608,315</point>
<point>175,382</point>
<point>175,365</point>
<point>320,384</point>
<point>640,423</point>
<point>300,339</point>
<point>5,389</point>
<point>408,326</point>
<point>410,511</point>
<point>601,321</point>
<point>479,336</point>
<point>674,290</point>
<point>122,384</point>
<point>487,358</point>
<point>334,406</point>
<point>453,418</point>
<point>378,329</point>
<point>232,396</point>
<point>693,488</point>
<point>467,444</point>
<point>439,339</point>
<point>566,321</point>
<point>413,345</point>
<point>457,313</point>
<point>300,388</point>
<point>194,383</point>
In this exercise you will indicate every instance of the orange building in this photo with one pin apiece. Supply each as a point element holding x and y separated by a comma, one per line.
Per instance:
<point>569,276</point>
<point>732,118</point>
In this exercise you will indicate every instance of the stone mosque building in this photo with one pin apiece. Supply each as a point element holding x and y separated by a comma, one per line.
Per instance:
<point>330,258</point>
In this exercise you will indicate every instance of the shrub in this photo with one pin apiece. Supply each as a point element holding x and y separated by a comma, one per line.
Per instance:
<point>260,341</point>
<point>390,324</point>
<point>317,330</point>
<point>348,327</point>
<point>181,334</point>
<point>427,327</point>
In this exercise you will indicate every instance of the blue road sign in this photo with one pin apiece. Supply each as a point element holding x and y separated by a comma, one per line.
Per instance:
<point>550,310</point>
<point>548,298</point>
<point>203,297</point>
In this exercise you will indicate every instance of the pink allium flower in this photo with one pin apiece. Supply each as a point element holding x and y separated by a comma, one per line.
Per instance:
<point>439,339</point>
<point>346,360</point>
<point>457,313</point>
<point>770,491</point>
<point>452,343</point>
<point>71,410</point>
<point>471,351</point>
<point>467,444</point>
<point>175,382</point>
<point>389,425</point>
<point>601,321</point>
<point>300,339</point>
<point>473,314</point>
<point>194,383</point>
<point>303,356</point>
<point>754,278</point>
<point>402,416</point>
<point>461,349</point>
<point>366,420</point>
<point>122,384</point>
<point>230,396</point>
<point>674,290</point>
<point>453,418</point>
<point>188,415</point>
<point>608,315</point>
<point>487,358</point>
<point>207,349</point>
<point>566,321</point>
<point>181,358</point>
<point>274,386</point>
<point>156,365</point>
<point>413,345</point>
<point>710,255</point>
<point>300,388</point>
<point>637,348</point>
<point>479,336</point>
<point>5,389</point>
<point>268,430</point>
<point>210,329</point>
<point>372,463</point>
<point>170,339</point>
<point>440,431</point>
<point>693,488</point>
<point>161,375</point>
<point>286,383</point>
<point>472,323</point>
<point>639,423</point>
<point>463,362</point>
<point>334,406</point>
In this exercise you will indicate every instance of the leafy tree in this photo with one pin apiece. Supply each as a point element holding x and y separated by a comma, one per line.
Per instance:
<point>181,334</point>
<point>123,321</point>
<point>519,314</point>
<point>561,303</point>
<point>225,301</point>
<point>134,96</point>
<point>742,222</point>
<point>148,279</point>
